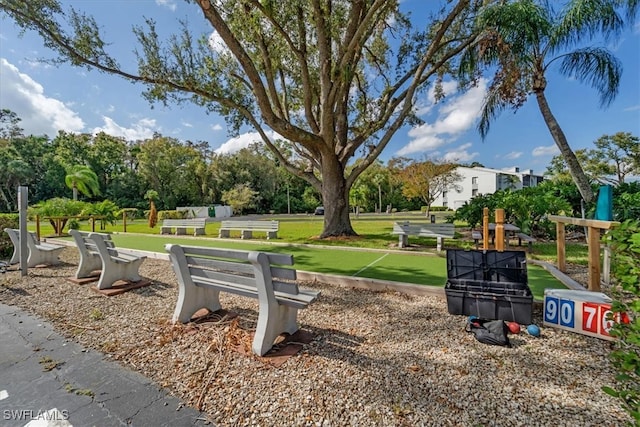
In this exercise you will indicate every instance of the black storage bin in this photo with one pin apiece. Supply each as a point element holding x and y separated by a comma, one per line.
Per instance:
<point>489,284</point>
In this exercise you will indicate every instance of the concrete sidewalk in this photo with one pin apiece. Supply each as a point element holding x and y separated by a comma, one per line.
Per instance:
<point>40,370</point>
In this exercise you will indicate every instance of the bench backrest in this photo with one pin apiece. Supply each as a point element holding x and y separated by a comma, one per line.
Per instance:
<point>87,245</point>
<point>425,229</point>
<point>250,225</point>
<point>102,244</point>
<point>196,222</point>
<point>232,267</point>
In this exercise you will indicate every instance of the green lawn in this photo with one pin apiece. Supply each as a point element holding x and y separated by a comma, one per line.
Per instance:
<point>407,267</point>
<point>370,255</point>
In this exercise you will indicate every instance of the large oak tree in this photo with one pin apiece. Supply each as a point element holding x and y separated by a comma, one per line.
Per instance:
<point>335,78</point>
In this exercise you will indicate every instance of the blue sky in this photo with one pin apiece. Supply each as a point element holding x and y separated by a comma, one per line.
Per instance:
<point>51,98</point>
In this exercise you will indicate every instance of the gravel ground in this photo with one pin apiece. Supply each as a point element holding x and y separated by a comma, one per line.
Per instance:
<point>377,359</point>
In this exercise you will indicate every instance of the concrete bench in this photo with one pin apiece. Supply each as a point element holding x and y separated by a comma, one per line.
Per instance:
<point>90,260</point>
<point>526,238</point>
<point>115,265</point>
<point>40,253</point>
<point>247,228</point>
<point>181,225</point>
<point>439,231</point>
<point>205,272</point>
<point>477,237</point>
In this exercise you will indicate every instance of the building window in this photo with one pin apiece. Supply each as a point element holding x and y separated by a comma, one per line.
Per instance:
<point>474,192</point>
<point>444,204</point>
<point>444,194</point>
<point>474,180</point>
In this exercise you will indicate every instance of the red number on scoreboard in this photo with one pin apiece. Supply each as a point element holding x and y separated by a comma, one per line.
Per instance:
<point>590,317</point>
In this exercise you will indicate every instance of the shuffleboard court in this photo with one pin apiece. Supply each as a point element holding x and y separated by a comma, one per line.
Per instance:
<point>415,268</point>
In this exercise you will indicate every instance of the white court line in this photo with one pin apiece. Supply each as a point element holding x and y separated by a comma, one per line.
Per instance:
<point>370,264</point>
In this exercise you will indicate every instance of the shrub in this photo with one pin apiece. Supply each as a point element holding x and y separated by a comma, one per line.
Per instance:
<point>172,215</point>
<point>7,221</point>
<point>625,356</point>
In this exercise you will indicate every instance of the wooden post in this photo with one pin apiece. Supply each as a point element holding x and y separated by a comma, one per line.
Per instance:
<point>499,230</point>
<point>594,258</point>
<point>560,249</point>
<point>485,228</point>
<point>38,226</point>
<point>124,221</point>
<point>93,224</point>
<point>593,239</point>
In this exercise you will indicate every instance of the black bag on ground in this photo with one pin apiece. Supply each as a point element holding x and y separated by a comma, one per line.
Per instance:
<point>492,332</point>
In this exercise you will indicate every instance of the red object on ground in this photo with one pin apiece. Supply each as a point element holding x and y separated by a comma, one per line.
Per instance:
<point>514,327</point>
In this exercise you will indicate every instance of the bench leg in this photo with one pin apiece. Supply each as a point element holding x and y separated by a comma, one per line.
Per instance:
<point>439,243</point>
<point>43,256</point>
<point>273,320</point>
<point>15,258</point>
<point>247,234</point>
<point>403,241</point>
<point>192,298</point>
<point>114,271</point>
<point>272,235</point>
<point>198,231</point>
<point>89,262</point>
<point>165,230</point>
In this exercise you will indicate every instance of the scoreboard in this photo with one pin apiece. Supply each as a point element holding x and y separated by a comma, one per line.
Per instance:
<point>583,312</point>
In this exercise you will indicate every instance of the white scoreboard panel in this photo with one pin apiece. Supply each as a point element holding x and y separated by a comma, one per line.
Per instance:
<point>583,312</point>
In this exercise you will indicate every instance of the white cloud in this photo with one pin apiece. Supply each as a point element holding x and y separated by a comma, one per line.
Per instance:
<point>216,127</point>
<point>238,143</point>
<point>142,129</point>
<point>513,155</point>
<point>169,4</point>
<point>549,150</point>
<point>243,141</point>
<point>456,115</point>
<point>217,44</point>
<point>186,124</point>
<point>40,114</point>
<point>460,154</point>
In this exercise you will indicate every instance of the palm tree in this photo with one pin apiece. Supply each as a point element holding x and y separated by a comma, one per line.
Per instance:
<point>81,178</point>
<point>523,38</point>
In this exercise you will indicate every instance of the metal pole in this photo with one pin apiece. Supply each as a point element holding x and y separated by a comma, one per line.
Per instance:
<point>22,210</point>
<point>288,201</point>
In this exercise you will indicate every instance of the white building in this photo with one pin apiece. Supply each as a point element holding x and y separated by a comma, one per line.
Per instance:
<point>480,181</point>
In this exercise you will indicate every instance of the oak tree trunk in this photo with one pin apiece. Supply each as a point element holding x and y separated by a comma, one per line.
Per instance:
<point>335,199</point>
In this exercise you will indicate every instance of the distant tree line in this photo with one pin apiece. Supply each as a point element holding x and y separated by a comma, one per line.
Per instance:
<point>103,167</point>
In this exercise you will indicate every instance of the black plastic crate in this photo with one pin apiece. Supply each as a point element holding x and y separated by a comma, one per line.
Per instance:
<point>487,265</point>
<point>504,304</point>
<point>489,284</point>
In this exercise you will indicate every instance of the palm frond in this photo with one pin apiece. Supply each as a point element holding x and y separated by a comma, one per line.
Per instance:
<point>596,67</point>
<point>586,19</point>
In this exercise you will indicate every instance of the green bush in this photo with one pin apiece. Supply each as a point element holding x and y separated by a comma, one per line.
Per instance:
<point>625,356</point>
<point>7,221</point>
<point>171,215</point>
